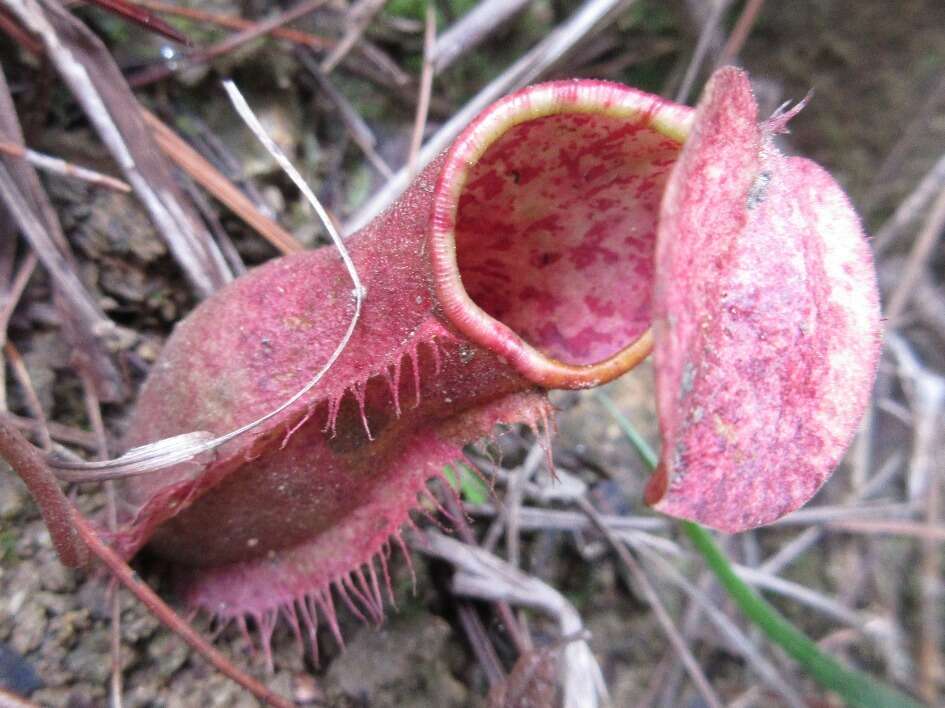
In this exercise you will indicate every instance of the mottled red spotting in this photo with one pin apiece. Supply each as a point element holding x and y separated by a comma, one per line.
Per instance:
<point>766,322</point>
<point>569,202</point>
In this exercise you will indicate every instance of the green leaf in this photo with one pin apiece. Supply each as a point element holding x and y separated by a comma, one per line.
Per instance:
<point>470,485</point>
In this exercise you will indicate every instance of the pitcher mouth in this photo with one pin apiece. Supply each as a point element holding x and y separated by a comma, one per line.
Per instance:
<point>544,226</point>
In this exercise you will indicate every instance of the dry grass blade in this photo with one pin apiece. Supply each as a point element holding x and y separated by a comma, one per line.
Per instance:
<point>9,300</point>
<point>224,46</point>
<point>642,582</point>
<point>97,84</point>
<point>913,529</point>
<point>359,17</point>
<point>919,255</point>
<point>481,574</point>
<point>472,28</point>
<point>765,669</point>
<point>910,207</point>
<point>18,366</point>
<point>59,432</point>
<point>707,36</point>
<point>211,179</point>
<point>479,641</point>
<point>529,67</point>
<point>89,325</point>
<point>920,118</point>
<point>927,394</point>
<point>736,40</point>
<point>359,130</point>
<point>236,23</point>
<point>785,555</point>
<point>94,413</point>
<point>85,326</point>
<point>61,167</point>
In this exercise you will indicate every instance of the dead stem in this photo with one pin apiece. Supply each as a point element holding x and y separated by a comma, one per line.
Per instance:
<point>918,124</point>
<point>479,641</point>
<point>914,529</point>
<point>708,36</point>
<point>84,325</point>
<point>642,583</point>
<point>59,432</point>
<point>516,633</point>
<point>357,127</point>
<point>29,393</point>
<point>12,296</point>
<point>426,89</point>
<point>766,670</point>
<point>482,575</point>
<point>741,30</point>
<point>94,412</point>
<point>236,23</point>
<point>922,249</point>
<point>358,18</point>
<point>140,16</point>
<point>911,207</point>
<point>801,543</point>
<point>58,166</point>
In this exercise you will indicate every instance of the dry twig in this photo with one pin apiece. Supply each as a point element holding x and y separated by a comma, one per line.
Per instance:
<point>358,18</point>
<point>61,167</point>
<point>359,130</point>
<point>707,36</point>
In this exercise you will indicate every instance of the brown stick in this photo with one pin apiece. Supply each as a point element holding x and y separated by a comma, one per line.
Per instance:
<point>652,597</point>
